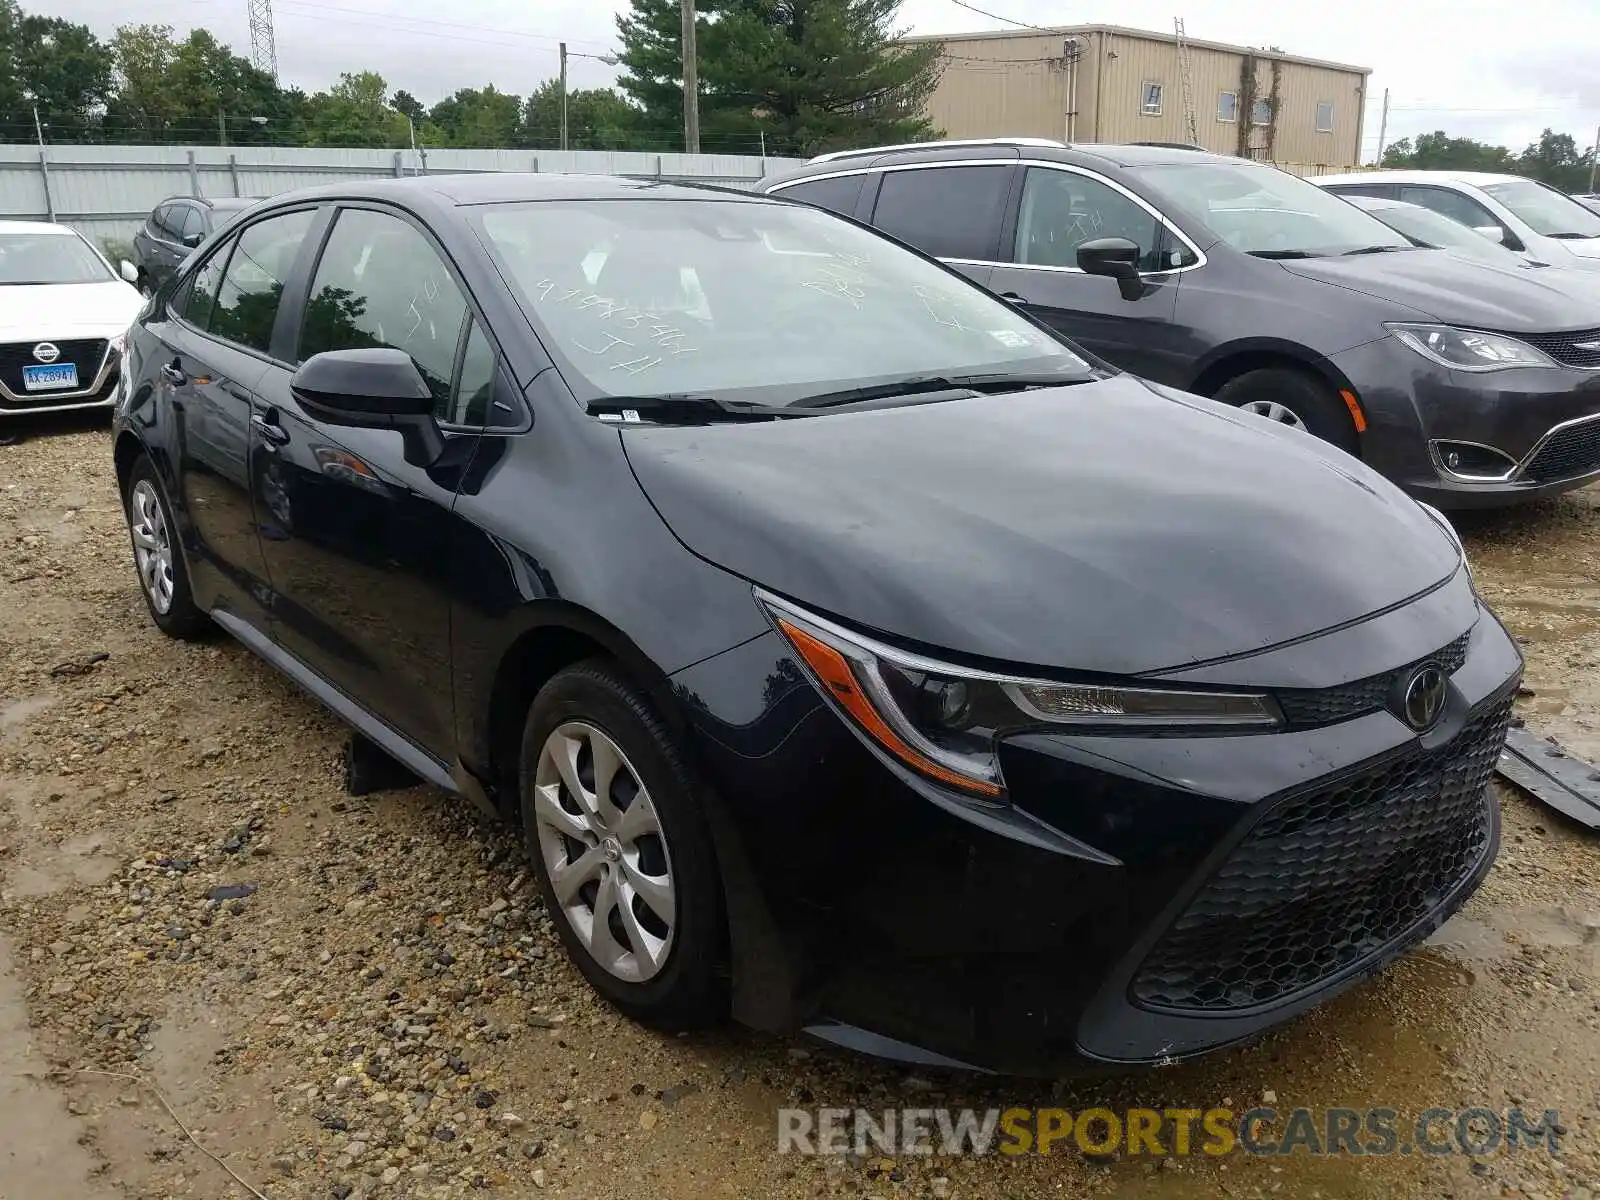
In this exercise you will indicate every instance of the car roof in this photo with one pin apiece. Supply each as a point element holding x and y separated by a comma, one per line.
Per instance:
<point>511,187</point>
<point>1475,178</point>
<point>36,227</point>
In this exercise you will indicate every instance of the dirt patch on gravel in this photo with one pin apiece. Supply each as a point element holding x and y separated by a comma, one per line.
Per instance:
<point>362,997</point>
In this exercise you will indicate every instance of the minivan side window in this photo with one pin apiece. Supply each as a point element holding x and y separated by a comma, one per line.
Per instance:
<point>1061,210</point>
<point>252,285</point>
<point>949,212</point>
<point>836,195</point>
<point>381,283</point>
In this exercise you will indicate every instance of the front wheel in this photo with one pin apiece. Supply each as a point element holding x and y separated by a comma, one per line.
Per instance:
<point>621,847</point>
<point>1296,399</point>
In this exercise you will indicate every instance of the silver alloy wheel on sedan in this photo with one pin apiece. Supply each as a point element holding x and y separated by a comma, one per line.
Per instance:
<point>1273,411</point>
<point>152,544</point>
<point>604,851</point>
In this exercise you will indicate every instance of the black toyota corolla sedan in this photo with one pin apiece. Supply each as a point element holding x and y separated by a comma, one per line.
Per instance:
<point>856,654</point>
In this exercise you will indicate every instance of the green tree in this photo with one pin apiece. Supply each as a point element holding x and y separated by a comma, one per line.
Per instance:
<point>67,72</point>
<point>146,106</point>
<point>597,119</point>
<point>809,74</point>
<point>479,119</point>
<point>1438,151</point>
<point>355,112</point>
<point>1556,160</point>
<point>408,105</point>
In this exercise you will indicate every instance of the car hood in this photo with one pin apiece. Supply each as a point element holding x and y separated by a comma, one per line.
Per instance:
<point>1461,292</point>
<point>1585,248</point>
<point>1103,527</point>
<point>40,312</point>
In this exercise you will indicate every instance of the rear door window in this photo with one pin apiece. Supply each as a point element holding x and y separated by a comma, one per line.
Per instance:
<point>1452,204</point>
<point>247,298</point>
<point>161,221</point>
<point>950,212</point>
<point>836,195</point>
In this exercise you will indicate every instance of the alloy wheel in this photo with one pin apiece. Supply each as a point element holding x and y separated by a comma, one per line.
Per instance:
<point>152,544</point>
<point>605,852</point>
<point>1273,411</point>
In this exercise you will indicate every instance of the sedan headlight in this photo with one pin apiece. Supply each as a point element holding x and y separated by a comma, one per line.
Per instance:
<point>1470,349</point>
<point>945,721</point>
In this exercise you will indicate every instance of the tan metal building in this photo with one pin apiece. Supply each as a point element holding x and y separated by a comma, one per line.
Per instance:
<point>1106,83</point>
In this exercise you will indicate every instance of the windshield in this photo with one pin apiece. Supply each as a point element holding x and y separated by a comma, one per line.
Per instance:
<point>1267,212</point>
<point>1546,210</point>
<point>49,258</point>
<point>1435,229</point>
<point>768,303</point>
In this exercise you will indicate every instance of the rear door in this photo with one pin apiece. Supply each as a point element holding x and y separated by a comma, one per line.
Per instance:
<point>951,210</point>
<point>1059,208</point>
<point>358,542</point>
<point>1462,208</point>
<point>215,337</point>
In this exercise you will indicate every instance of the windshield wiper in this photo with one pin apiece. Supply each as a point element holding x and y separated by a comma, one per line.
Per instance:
<point>1376,250</point>
<point>1573,237</point>
<point>1284,254</point>
<point>686,406</point>
<point>992,383</point>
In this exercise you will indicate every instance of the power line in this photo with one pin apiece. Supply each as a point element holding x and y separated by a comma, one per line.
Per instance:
<point>997,17</point>
<point>385,19</point>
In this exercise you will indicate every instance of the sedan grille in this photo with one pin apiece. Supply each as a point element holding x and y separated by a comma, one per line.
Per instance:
<point>1326,882</point>
<point>1308,707</point>
<point>1573,349</point>
<point>1567,453</point>
<point>86,353</point>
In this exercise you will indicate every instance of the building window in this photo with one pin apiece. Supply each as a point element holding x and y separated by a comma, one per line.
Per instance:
<point>1261,112</point>
<point>1325,116</point>
<point>1150,101</point>
<point>1227,106</point>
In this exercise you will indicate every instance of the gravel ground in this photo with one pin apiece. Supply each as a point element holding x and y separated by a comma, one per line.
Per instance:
<point>350,997</point>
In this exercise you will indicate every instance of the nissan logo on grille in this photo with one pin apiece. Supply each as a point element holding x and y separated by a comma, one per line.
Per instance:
<point>1422,697</point>
<point>46,352</point>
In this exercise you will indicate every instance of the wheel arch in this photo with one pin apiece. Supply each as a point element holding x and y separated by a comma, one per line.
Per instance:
<point>551,636</point>
<point>1226,363</point>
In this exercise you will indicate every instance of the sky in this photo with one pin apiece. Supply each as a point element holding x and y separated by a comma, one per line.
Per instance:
<point>1457,65</point>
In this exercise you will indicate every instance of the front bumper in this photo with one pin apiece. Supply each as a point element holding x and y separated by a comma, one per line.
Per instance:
<point>101,370</point>
<point>1070,930</point>
<point>1543,422</point>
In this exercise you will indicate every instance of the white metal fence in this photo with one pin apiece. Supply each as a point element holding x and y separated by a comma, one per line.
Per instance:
<point>107,191</point>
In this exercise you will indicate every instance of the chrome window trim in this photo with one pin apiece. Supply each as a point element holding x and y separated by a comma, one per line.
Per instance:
<point>836,155</point>
<point>1069,168</point>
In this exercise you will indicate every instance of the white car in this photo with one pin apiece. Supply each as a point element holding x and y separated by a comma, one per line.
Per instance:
<point>1520,213</point>
<point>64,317</point>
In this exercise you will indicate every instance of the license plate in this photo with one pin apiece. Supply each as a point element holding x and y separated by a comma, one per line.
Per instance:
<point>55,377</point>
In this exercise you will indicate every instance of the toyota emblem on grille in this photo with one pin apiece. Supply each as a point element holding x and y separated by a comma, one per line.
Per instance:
<point>1423,698</point>
<point>46,352</point>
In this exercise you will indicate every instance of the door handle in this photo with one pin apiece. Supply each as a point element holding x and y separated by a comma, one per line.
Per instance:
<point>1014,298</point>
<point>271,432</point>
<point>174,374</point>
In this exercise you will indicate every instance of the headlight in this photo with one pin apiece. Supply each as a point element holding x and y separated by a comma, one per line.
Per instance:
<point>945,721</point>
<point>1470,349</point>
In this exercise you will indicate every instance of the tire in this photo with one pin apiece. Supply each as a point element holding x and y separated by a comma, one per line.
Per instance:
<point>1275,391</point>
<point>663,970</point>
<point>158,556</point>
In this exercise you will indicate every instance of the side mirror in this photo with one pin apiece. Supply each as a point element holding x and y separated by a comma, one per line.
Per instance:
<point>192,240</point>
<point>1493,232</point>
<point>128,271</point>
<point>1117,258</point>
<point>372,389</point>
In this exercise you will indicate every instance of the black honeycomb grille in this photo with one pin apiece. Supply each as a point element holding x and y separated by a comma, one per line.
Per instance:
<point>1308,707</point>
<point>1326,881</point>
<point>1573,349</point>
<point>1567,454</point>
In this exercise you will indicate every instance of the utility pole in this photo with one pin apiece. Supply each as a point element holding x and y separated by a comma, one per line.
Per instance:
<point>222,127</point>
<point>1594,160</point>
<point>563,95</point>
<point>1383,127</point>
<point>38,129</point>
<point>691,83</point>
